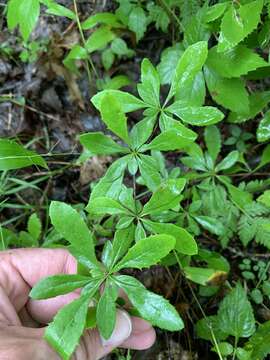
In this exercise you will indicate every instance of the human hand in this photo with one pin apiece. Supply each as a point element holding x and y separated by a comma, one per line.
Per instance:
<point>22,320</point>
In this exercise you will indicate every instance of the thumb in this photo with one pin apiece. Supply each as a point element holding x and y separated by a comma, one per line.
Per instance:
<point>23,343</point>
<point>17,342</point>
<point>93,347</point>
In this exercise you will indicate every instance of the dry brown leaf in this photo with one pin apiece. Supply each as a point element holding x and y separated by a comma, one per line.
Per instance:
<point>94,168</point>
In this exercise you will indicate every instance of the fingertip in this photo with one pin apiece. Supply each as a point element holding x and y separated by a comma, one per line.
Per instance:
<point>122,331</point>
<point>140,340</point>
<point>140,325</point>
<point>145,340</point>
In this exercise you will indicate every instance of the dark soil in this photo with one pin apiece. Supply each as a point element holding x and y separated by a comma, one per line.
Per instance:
<point>57,109</point>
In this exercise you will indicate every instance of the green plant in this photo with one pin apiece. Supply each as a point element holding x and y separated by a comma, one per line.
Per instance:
<point>234,318</point>
<point>188,185</point>
<point>115,256</point>
<point>32,51</point>
<point>238,138</point>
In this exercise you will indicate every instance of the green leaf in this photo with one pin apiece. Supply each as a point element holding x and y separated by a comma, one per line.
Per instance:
<point>71,226</point>
<point>228,161</point>
<point>158,15</point>
<point>200,275</point>
<point>106,311</point>
<point>123,238</point>
<point>263,131</point>
<point>149,171</point>
<point>150,84</point>
<point>126,198</point>
<point>26,240</point>
<point>98,143</point>
<point>101,18</point>
<point>124,222</point>
<point>137,22</point>
<point>116,82</point>
<point>258,101</point>
<point>91,318</point>
<point>166,197</point>
<point>264,198</point>
<point>265,159</point>
<point>213,141</point>
<point>258,344</point>
<point>238,23</point>
<point>210,224</point>
<point>153,308</point>
<point>107,58</point>
<point>196,159</point>
<point>127,101</point>
<point>147,252</point>
<point>139,232</point>
<point>235,62</point>
<point>60,10</point>
<point>133,165</point>
<point>77,53</point>
<point>114,117</point>
<point>120,48</point>
<point>235,314</point>
<point>195,28</point>
<point>223,348</point>
<point>214,260</point>
<point>257,296</point>
<point>110,184</point>
<point>184,242</point>
<point>64,333</point>
<point>189,65</point>
<point>215,11</point>
<point>7,237</point>
<point>170,139</point>
<point>123,11</point>
<point>240,197</point>
<point>15,156</point>
<point>264,34</point>
<point>169,59</point>
<point>230,93</point>
<point>141,132</point>
<point>99,39</point>
<point>168,123</point>
<point>34,226</point>
<point>193,115</point>
<point>194,93</point>
<point>242,354</point>
<point>232,30</point>
<point>58,285</point>
<point>106,256</point>
<point>24,13</point>
<point>103,205</point>
<point>204,326</point>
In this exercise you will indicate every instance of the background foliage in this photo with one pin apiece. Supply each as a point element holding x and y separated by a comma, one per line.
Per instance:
<point>180,161</point>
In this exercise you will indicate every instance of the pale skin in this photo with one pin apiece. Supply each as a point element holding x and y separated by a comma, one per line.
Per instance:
<point>23,321</point>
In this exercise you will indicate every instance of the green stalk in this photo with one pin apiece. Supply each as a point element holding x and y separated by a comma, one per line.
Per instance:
<point>89,60</point>
<point>200,307</point>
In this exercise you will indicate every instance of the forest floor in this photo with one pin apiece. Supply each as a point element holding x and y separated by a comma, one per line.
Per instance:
<point>41,102</point>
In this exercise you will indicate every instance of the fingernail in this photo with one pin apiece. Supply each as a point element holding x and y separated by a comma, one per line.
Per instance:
<point>122,330</point>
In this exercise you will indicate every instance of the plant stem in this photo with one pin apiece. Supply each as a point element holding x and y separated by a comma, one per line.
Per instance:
<point>89,60</point>
<point>235,347</point>
<point>2,238</point>
<point>169,11</point>
<point>264,272</point>
<point>200,307</point>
